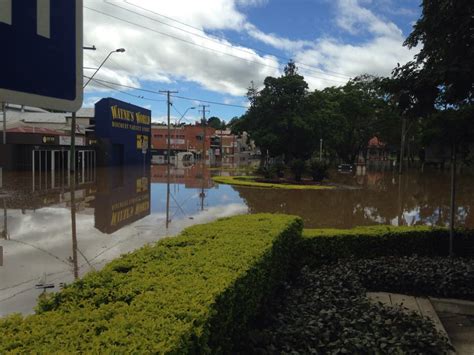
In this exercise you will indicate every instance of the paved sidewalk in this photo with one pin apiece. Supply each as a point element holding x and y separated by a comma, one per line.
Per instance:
<point>453,318</point>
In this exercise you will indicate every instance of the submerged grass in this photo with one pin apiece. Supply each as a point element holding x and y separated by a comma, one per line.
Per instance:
<point>249,181</point>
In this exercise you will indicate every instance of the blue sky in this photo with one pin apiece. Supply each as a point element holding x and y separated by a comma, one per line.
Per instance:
<point>211,50</point>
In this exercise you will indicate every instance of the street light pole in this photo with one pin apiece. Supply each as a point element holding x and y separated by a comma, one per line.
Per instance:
<point>119,50</point>
<point>73,118</point>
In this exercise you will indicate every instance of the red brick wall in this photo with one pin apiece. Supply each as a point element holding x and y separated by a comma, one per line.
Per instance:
<point>187,133</point>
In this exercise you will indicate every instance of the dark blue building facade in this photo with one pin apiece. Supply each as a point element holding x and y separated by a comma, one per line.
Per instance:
<point>123,133</point>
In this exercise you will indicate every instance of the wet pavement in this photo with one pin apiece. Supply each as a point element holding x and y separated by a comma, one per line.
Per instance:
<point>116,210</point>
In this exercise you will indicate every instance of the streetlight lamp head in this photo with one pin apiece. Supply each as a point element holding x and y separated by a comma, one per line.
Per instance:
<point>120,50</point>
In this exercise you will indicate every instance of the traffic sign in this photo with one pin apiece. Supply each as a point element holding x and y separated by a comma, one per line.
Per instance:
<point>41,53</point>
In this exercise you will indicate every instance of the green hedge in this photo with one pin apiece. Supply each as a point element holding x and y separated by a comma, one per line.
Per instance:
<point>194,293</point>
<point>320,246</point>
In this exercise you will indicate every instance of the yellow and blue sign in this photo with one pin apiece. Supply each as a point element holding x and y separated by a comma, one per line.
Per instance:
<point>123,132</point>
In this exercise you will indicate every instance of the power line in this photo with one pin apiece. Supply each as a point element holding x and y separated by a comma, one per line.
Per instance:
<point>158,93</point>
<point>200,46</point>
<point>124,92</point>
<point>312,68</point>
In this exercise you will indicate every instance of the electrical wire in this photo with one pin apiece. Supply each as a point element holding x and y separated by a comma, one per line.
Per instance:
<point>160,93</point>
<point>124,92</point>
<point>201,46</point>
<point>309,68</point>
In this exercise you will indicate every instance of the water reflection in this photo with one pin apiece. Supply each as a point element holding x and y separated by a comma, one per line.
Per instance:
<point>374,198</point>
<point>56,232</point>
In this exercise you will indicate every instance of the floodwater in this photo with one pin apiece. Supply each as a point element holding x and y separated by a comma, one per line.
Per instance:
<point>54,228</point>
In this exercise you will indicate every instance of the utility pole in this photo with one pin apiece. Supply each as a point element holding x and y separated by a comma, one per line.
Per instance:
<point>168,92</point>
<point>204,124</point>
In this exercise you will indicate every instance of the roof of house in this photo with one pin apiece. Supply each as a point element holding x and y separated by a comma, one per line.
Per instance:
<point>376,143</point>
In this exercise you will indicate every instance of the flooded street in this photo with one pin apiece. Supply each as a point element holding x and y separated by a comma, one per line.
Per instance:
<point>55,229</point>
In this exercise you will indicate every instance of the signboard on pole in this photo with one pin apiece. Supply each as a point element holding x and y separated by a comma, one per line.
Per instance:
<point>41,61</point>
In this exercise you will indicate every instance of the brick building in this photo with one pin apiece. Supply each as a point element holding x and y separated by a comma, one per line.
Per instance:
<point>186,138</point>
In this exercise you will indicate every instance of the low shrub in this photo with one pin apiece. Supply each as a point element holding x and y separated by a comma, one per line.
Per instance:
<point>319,169</point>
<point>320,246</point>
<point>268,171</point>
<point>298,167</point>
<point>279,169</point>
<point>194,293</point>
<point>326,312</point>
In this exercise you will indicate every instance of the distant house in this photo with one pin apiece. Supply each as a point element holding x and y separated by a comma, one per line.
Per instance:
<point>377,150</point>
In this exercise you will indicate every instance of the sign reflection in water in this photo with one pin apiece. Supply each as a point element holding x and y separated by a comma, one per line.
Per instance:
<point>58,232</point>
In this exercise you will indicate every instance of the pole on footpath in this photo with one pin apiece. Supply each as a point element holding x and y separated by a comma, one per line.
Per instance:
<point>4,109</point>
<point>204,124</point>
<point>453,199</point>
<point>402,146</point>
<point>73,143</point>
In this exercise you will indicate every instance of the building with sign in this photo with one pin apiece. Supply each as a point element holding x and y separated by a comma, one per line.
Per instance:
<point>113,133</point>
<point>122,133</point>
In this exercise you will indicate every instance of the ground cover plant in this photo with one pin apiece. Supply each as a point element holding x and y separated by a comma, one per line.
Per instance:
<point>326,312</point>
<point>194,293</point>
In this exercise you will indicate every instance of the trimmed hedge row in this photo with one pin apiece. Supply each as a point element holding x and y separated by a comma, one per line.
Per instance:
<point>320,246</point>
<point>194,293</point>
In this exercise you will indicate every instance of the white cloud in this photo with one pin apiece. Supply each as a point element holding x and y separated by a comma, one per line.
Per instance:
<point>274,40</point>
<point>161,54</point>
<point>378,54</point>
<point>162,59</point>
<point>357,19</point>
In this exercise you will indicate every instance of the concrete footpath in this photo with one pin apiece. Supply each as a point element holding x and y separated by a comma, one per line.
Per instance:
<point>453,318</point>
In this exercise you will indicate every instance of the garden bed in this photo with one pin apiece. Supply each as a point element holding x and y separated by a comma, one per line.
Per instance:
<point>258,182</point>
<point>326,311</point>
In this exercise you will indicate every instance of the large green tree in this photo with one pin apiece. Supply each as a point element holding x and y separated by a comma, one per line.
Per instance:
<point>347,117</point>
<point>276,118</point>
<point>442,73</point>
<point>440,79</point>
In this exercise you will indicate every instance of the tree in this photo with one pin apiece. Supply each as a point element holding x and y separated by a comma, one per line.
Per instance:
<point>276,119</point>
<point>446,33</point>
<point>439,81</point>
<point>215,122</point>
<point>347,117</point>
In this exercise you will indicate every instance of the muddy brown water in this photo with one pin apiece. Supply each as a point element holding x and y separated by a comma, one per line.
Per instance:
<point>116,210</point>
